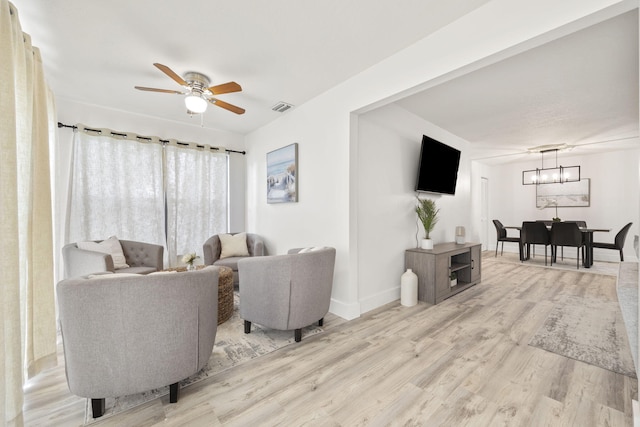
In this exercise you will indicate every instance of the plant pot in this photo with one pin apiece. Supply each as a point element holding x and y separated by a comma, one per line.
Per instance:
<point>454,282</point>
<point>426,244</point>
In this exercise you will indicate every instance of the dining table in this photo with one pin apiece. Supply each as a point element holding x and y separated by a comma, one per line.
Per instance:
<point>587,233</point>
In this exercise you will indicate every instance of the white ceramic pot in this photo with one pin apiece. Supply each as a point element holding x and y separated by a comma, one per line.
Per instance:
<point>409,288</point>
<point>426,244</point>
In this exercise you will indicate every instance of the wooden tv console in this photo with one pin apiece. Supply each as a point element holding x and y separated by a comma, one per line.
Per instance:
<point>433,268</point>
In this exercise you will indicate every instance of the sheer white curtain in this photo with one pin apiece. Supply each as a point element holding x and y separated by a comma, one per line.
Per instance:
<point>137,188</point>
<point>196,188</point>
<point>116,187</point>
<point>27,320</point>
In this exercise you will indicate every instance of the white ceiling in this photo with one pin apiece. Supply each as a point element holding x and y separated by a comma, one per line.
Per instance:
<point>580,89</point>
<point>95,52</point>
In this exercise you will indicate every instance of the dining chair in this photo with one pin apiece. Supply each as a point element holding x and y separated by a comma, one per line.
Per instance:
<point>581,224</point>
<point>618,243</point>
<point>502,236</point>
<point>566,234</point>
<point>535,233</point>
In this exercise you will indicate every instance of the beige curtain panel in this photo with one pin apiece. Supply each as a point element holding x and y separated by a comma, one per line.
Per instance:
<point>27,307</point>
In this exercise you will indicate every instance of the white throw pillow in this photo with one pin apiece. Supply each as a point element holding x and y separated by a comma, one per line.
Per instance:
<point>235,245</point>
<point>109,246</point>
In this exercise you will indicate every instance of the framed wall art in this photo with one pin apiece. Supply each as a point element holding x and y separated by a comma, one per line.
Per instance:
<point>568,194</point>
<point>282,174</point>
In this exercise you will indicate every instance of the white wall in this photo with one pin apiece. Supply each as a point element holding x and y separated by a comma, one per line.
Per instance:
<point>320,216</point>
<point>327,130</point>
<point>614,197</point>
<point>389,150</point>
<point>72,113</point>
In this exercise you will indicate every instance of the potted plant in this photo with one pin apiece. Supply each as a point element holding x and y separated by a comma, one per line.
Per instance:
<point>428,215</point>
<point>453,277</point>
<point>189,259</point>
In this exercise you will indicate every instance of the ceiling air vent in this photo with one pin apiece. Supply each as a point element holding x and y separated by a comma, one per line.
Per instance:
<point>281,107</point>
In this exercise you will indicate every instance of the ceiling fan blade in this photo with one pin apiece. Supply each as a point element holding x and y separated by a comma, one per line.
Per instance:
<point>226,106</point>
<point>169,72</point>
<point>225,88</point>
<point>152,89</point>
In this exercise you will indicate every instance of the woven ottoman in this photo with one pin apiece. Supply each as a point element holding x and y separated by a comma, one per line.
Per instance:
<point>225,294</point>
<point>225,290</point>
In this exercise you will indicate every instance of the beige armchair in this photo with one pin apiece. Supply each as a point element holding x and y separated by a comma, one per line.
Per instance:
<point>140,257</point>
<point>124,334</point>
<point>286,292</point>
<point>212,250</point>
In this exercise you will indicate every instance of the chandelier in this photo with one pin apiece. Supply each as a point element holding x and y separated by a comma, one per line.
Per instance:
<point>554,175</point>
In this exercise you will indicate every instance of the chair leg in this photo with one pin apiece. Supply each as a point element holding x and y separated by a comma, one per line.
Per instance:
<point>298,335</point>
<point>621,256</point>
<point>578,258</point>
<point>97,407</point>
<point>321,322</point>
<point>502,249</point>
<point>247,327</point>
<point>174,392</point>
<point>497,243</point>
<point>545,255</point>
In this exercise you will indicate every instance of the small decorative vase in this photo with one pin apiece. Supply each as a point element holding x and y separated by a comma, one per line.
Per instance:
<point>454,282</point>
<point>426,244</point>
<point>408,288</point>
<point>190,267</point>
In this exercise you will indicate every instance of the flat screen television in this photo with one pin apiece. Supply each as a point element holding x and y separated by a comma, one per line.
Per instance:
<point>438,168</point>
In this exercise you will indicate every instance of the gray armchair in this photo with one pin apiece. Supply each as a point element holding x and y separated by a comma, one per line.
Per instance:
<point>286,292</point>
<point>212,249</point>
<point>142,258</point>
<point>125,334</point>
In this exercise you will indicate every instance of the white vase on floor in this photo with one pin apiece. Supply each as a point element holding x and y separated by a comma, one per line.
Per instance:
<point>409,288</point>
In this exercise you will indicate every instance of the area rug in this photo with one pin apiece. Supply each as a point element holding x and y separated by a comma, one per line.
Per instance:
<point>590,330</point>
<point>232,347</point>
<point>568,263</point>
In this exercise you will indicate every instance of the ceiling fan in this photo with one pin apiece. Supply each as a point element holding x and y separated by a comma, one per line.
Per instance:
<point>198,92</point>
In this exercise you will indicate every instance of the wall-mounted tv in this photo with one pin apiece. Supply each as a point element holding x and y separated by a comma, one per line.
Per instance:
<point>438,168</point>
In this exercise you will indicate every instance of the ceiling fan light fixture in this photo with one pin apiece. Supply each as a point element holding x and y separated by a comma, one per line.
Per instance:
<point>195,103</point>
<point>199,91</point>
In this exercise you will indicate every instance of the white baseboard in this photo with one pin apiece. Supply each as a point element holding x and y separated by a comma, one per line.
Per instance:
<point>380,299</point>
<point>344,310</point>
<point>353,311</point>
<point>636,413</point>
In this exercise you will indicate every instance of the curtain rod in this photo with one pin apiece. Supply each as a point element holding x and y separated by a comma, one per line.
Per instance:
<point>62,125</point>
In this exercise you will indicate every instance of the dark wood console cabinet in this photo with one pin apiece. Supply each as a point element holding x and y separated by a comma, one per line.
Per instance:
<point>433,268</point>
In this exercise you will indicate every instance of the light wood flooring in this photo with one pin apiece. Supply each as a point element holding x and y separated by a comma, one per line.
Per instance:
<point>464,362</point>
